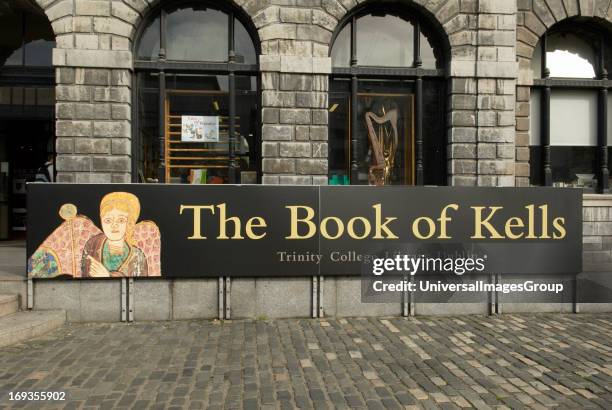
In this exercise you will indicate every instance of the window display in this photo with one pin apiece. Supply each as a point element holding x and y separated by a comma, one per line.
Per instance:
<point>197,106</point>
<point>380,98</point>
<point>569,108</point>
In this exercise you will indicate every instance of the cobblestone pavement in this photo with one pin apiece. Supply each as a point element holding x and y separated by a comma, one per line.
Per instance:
<point>510,361</point>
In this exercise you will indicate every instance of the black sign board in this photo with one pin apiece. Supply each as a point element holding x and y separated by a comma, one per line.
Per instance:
<point>188,231</point>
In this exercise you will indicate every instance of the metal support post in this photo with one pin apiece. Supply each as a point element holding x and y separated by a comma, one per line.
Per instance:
<point>124,301</point>
<point>30,296</point>
<point>221,298</point>
<point>321,310</point>
<point>228,298</point>
<point>130,300</point>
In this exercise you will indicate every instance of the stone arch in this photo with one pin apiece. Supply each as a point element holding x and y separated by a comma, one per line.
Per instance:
<point>59,13</point>
<point>537,19</point>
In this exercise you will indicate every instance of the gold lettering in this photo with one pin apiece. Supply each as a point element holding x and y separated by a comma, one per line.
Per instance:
<point>417,232</point>
<point>197,218</point>
<point>544,209</point>
<point>559,225</point>
<point>255,222</point>
<point>324,230</point>
<point>512,223</point>
<point>366,227</point>
<point>531,222</point>
<point>443,219</point>
<point>380,226</point>
<point>312,229</point>
<point>223,220</point>
<point>479,223</point>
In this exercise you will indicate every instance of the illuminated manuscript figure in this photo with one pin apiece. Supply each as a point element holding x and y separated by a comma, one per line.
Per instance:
<point>78,248</point>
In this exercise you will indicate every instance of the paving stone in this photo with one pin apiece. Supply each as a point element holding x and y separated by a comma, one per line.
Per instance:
<point>347,363</point>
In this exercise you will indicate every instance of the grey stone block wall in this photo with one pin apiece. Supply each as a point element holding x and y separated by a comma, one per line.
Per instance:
<point>295,66</point>
<point>93,63</point>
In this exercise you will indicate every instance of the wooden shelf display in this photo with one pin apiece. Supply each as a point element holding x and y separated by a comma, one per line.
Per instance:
<point>195,158</point>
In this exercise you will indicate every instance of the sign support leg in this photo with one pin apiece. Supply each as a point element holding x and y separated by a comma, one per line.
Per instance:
<point>228,297</point>
<point>412,300</point>
<point>315,297</point>
<point>498,305</point>
<point>321,299</point>
<point>491,296</point>
<point>576,305</point>
<point>130,299</point>
<point>124,301</point>
<point>405,300</point>
<point>30,294</point>
<point>221,297</point>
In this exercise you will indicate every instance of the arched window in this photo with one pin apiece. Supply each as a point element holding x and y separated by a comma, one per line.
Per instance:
<point>197,96</point>
<point>569,106</point>
<point>27,107</point>
<point>387,81</point>
<point>26,38</point>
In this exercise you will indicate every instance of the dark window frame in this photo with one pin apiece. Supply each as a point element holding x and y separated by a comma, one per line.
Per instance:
<point>547,85</point>
<point>416,73</point>
<point>161,66</point>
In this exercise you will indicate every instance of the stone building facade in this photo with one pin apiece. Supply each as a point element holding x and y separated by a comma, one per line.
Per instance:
<point>489,77</point>
<point>488,73</point>
<point>93,62</point>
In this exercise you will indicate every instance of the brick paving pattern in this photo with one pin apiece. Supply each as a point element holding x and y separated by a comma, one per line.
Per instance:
<point>511,361</point>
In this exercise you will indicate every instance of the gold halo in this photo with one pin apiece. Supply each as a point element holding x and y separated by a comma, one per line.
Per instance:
<point>68,211</point>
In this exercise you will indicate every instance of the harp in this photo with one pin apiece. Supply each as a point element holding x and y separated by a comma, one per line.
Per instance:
<point>383,143</point>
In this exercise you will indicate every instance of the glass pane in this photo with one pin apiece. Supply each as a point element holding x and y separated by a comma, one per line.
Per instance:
<point>195,34</point>
<point>339,137</point>
<point>148,125</point>
<point>568,55</point>
<point>148,48</point>
<point>427,53</point>
<point>610,119</point>
<point>384,41</point>
<point>536,169</point>
<point>385,133</point>
<point>574,166</point>
<point>434,133</point>
<point>573,117</point>
<point>245,49</point>
<point>11,37</point>
<point>536,61</point>
<point>198,109</point>
<point>40,41</point>
<point>218,83</point>
<point>40,53</point>
<point>535,114</point>
<point>341,50</point>
<point>248,145</point>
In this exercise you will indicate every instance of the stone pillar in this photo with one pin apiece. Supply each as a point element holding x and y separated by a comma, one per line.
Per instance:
<point>93,95</point>
<point>294,67</point>
<point>482,117</point>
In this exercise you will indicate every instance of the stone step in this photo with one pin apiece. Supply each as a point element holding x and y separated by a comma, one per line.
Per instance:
<point>23,326</point>
<point>9,304</point>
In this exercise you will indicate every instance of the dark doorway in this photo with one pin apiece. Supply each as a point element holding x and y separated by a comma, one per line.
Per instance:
<point>25,147</point>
